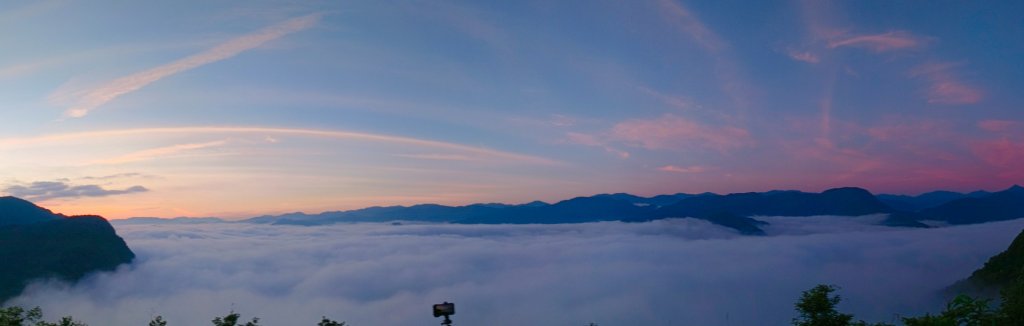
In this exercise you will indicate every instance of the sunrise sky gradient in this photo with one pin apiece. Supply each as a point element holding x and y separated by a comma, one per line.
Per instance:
<point>237,109</point>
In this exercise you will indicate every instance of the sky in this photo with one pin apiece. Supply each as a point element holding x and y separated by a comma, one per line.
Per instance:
<point>237,109</point>
<point>665,272</point>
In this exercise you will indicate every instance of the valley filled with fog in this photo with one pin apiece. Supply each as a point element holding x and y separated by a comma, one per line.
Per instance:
<point>664,272</point>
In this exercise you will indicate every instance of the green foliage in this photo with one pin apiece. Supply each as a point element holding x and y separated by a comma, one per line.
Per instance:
<point>327,322</point>
<point>817,307</point>
<point>1004,268</point>
<point>1012,308</point>
<point>232,320</point>
<point>64,321</point>
<point>158,321</point>
<point>962,311</point>
<point>18,316</point>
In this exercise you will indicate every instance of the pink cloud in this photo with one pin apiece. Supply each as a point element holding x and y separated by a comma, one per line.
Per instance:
<point>843,163</point>
<point>803,56</point>
<point>1000,125</point>
<point>594,141</point>
<point>682,169</point>
<point>944,87</point>
<point>905,130</point>
<point>583,139</point>
<point>953,92</point>
<point>890,152</point>
<point>899,153</point>
<point>676,133</point>
<point>1005,153</point>
<point>895,40</point>
<point>1001,152</point>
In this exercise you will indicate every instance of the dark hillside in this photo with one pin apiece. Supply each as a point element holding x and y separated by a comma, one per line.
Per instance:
<point>35,243</point>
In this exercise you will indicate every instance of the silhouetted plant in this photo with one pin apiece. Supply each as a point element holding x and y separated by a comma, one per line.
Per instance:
<point>1012,308</point>
<point>158,321</point>
<point>817,307</point>
<point>64,321</point>
<point>962,311</point>
<point>232,320</point>
<point>18,316</point>
<point>327,322</point>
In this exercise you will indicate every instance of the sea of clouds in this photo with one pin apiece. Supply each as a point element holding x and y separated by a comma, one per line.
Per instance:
<point>666,272</point>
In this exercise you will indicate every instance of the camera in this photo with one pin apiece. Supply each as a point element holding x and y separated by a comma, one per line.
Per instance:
<point>444,309</point>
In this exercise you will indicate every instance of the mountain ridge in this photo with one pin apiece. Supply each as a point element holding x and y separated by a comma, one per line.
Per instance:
<point>1000,271</point>
<point>37,243</point>
<point>738,210</point>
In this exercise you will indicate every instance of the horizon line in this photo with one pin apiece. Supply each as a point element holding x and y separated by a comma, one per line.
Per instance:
<point>528,202</point>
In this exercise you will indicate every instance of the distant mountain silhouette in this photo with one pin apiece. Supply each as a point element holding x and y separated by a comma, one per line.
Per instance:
<point>838,201</point>
<point>576,210</point>
<point>733,210</point>
<point>1004,205</point>
<point>737,211</point>
<point>36,243</point>
<point>656,201</point>
<point>926,200</point>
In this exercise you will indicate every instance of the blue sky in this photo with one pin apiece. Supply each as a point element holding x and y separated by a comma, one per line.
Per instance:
<point>237,109</point>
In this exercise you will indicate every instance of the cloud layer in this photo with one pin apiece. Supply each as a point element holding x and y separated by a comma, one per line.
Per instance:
<point>44,190</point>
<point>668,272</point>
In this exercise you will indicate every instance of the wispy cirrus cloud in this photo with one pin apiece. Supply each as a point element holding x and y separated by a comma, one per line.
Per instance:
<point>469,22</point>
<point>944,86</point>
<point>676,102</point>
<point>438,157</point>
<point>116,176</point>
<point>884,42</point>
<point>44,190</point>
<point>677,133</point>
<point>31,9</point>
<point>84,101</point>
<point>480,152</point>
<point>727,71</point>
<point>689,24</point>
<point>682,169</point>
<point>153,153</point>
<point>594,141</point>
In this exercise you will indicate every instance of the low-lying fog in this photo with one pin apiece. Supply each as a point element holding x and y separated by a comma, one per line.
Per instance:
<point>667,272</point>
